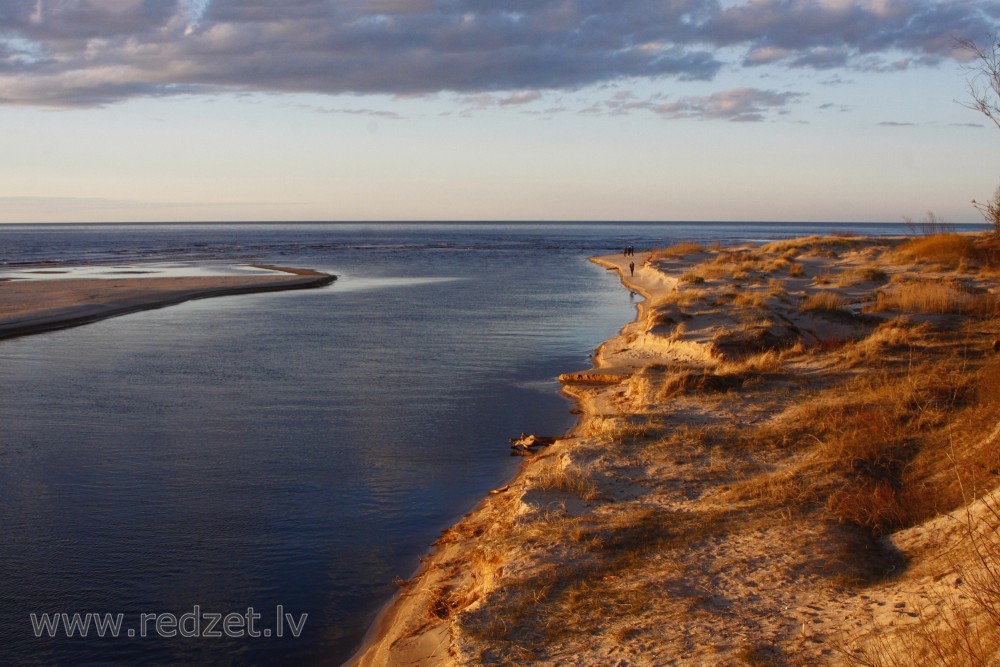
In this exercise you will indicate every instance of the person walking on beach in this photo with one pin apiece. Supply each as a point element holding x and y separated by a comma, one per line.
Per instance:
<point>631,268</point>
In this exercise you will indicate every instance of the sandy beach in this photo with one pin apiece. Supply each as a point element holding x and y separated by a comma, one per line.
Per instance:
<point>35,306</point>
<point>789,457</point>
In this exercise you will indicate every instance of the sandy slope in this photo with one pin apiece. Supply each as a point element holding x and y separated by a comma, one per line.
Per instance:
<point>34,306</point>
<point>655,534</point>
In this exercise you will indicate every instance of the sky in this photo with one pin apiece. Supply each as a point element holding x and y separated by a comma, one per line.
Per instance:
<point>341,110</point>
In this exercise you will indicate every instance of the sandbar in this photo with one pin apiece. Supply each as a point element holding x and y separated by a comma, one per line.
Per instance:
<point>35,306</point>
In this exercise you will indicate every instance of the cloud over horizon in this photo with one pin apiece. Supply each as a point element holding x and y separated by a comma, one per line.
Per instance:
<point>98,52</point>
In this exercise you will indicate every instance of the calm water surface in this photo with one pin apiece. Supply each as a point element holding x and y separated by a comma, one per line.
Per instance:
<point>297,449</point>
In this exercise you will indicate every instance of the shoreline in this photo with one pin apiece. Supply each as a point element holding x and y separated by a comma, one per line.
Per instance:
<point>429,646</point>
<point>38,306</point>
<point>763,471</point>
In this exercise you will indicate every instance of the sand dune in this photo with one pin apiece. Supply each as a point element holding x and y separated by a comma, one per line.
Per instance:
<point>764,472</point>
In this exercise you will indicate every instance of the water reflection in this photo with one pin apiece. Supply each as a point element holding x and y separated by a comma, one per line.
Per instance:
<point>297,448</point>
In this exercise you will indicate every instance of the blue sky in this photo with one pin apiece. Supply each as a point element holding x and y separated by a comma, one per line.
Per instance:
<point>164,110</point>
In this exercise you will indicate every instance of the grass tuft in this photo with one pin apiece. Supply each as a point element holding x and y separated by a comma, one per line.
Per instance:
<point>935,297</point>
<point>676,250</point>
<point>947,249</point>
<point>823,301</point>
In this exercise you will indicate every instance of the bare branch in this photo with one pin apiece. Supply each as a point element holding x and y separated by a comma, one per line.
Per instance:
<point>990,210</point>
<point>984,82</point>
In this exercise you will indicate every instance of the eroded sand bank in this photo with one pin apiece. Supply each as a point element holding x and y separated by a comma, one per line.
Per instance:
<point>764,472</point>
<point>35,306</point>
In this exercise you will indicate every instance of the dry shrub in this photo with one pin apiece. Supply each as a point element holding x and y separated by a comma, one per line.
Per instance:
<point>768,362</point>
<point>868,274</point>
<point>641,388</point>
<point>796,271</point>
<point>890,443</point>
<point>988,251</point>
<point>829,301</point>
<point>666,317</point>
<point>681,382</point>
<point>678,332</point>
<point>827,246</point>
<point>750,300</point>
<point>696,382</point>
<point>653,386</point>
<point>776,288</point>
<point>988,390</point>
<point>685,298</point>
<point>869,451</point>
<point>648,390</point>
<point>568,480</point>
<point>896,335</point>
<point>947,249</point>
<point>974,447</point>
<point>712,270</point>
<point>728,257</point>
<point>873,448</point>
<point>750,340</point>
<point>875,505</point>
<point>935,297</point>
<point>789,489</point>
<point>872,274</point>
<point>676,250</point>
<point>776,265</point>
<point>619,430</point>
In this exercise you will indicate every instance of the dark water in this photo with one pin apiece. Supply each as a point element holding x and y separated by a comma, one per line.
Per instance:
<point>297,449</point>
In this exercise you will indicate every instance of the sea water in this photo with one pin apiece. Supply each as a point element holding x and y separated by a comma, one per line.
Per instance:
<point>288,452</point>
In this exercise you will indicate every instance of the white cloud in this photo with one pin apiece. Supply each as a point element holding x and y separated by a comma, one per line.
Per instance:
<point>87,52</point>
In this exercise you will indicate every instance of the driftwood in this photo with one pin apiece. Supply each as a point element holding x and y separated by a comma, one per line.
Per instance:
<point>592,378</point>
<point>528,444</point>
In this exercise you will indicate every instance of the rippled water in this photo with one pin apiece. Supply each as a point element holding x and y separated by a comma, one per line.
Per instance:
<point>297,449</point>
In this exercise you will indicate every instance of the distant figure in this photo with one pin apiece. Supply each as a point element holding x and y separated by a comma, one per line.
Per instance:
<point>631,268</point>
<point>625,252</point>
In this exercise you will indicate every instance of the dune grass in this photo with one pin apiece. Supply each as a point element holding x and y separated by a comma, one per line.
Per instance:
<point>935,297</point>
<point>947,249</point>
<point>676,250</point>
<point>857,440</point>
<point>823,301</point>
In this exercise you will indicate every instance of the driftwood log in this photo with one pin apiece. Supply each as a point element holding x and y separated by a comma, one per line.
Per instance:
<point>528,444</point>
